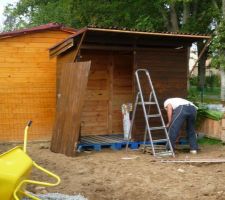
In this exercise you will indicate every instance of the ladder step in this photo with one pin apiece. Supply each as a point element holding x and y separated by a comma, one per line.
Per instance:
<point>154,115</point>
<point>164,153</point>
<point>157,128</point>
<point>147,103</point>
<point>160,140</point>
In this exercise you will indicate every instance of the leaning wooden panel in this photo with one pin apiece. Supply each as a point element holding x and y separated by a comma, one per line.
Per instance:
<point>71,94</point>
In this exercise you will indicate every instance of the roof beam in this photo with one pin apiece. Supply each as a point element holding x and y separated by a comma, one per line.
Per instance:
<point>62,47</point>
<point>145,42</point>
<point>121,48</point>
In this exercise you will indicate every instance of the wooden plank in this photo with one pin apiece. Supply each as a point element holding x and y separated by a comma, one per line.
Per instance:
<point>30,44</point>
<point>22,49</point>
<point>58,34</point>
<point>211,128</point>
<point>102,139</point>
<point>97,94</point>
<point>97,131</point>
<point>28,39</point>
<point>197,160</point>
<point>69,107</point>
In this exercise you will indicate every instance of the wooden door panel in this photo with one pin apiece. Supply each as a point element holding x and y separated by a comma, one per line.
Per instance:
<point>72,87</point>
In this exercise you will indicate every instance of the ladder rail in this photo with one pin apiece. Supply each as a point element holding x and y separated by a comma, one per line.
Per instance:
<point>158,108</point>
<point>144,109</point>
<point>149,100</point>
<point>157,103</point>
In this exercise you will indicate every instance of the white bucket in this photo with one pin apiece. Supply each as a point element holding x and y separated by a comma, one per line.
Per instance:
<point>126,108</point>
<point>126,125</point>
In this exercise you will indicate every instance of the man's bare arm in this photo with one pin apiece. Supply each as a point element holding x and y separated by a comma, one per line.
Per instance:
<point>169,110</point>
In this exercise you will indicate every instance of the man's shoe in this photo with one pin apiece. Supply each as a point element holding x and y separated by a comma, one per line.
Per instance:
<point>193,152</point>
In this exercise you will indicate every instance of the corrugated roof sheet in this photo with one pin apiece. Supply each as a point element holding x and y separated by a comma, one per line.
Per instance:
<point>165,33</point>
<point>49,26</point>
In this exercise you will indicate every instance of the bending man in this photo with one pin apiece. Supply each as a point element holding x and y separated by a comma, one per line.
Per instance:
<point>178,111</point>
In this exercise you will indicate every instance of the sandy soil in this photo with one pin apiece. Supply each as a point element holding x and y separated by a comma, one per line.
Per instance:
<point>105,175</point>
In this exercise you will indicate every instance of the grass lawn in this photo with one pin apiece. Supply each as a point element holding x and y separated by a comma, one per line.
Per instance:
<point>209,141</point>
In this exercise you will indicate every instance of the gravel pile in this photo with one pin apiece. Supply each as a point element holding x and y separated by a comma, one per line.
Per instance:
<point>58,196</point>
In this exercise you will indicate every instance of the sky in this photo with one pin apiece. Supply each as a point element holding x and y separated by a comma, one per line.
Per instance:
<point>3,3</point>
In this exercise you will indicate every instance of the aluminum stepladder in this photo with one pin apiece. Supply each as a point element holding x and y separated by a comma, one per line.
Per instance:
<point>152,101</point>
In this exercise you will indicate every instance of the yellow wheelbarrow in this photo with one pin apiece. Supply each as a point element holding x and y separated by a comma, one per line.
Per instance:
<point>15,168</point>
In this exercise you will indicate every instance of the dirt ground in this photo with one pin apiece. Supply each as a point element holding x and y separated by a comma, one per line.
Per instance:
<point>105,175</point>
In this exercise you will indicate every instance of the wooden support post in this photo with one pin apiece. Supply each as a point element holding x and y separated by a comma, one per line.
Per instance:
<point>200,55</point>
<point>79,45</point>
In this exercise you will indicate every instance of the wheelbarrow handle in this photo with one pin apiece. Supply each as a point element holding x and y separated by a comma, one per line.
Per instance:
<point>18,188</point>
<point>25,136</point>
<point>29,123</point>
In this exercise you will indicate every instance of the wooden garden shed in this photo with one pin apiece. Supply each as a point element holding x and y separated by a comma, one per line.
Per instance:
<point>95,76</point>
<point>27,81</point>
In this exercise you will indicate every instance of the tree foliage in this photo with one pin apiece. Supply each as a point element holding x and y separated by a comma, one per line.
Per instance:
<point>218,43</point>
<point>80,13</point>
<point>158,15</point>
<point>218,47</point>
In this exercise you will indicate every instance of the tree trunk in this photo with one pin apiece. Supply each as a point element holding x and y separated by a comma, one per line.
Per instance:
<point>165,18</point>
<point>195,8</point>
<point>222,95</point>
<point>186,12</point>
<point>222,71</point>
<point>173,18</point>
<point>215,5</point>
<point>223,7</point>
<point>201,68</point>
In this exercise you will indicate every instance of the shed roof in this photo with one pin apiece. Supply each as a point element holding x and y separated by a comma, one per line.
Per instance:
<point>112,37</point>
<point>49,26</point>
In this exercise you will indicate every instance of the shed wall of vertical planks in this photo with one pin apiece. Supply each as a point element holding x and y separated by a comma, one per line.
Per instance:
<point>111,83</point>
<point>168,69</point>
